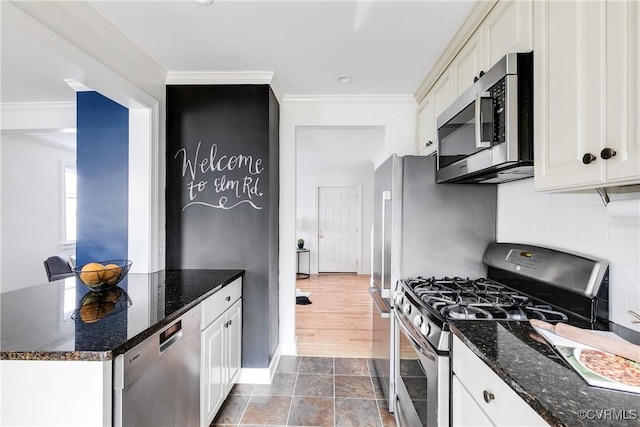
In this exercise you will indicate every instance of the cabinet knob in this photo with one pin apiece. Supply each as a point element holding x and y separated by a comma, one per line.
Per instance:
<point>228,298</point>
<point>607,153</point>
<point>429,143</point>
<point>588,158</point>
<point>488,396</point>
<point>226,324</point>
<point>230,322</point>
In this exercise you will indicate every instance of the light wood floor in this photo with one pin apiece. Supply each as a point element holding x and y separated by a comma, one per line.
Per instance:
<point>338,322</point>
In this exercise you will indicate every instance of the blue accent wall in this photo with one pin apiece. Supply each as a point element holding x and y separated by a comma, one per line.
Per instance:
<point>103,178</point>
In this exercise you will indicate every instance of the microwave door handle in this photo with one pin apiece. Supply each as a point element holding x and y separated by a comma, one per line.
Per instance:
<point>478,120</point>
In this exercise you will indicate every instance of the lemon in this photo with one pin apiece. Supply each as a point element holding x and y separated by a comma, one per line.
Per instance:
<point>91,273</point>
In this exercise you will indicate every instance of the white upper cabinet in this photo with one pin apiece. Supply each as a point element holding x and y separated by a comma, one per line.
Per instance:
<point>506,29</point>
<point>434,103</point>
<point>586,94</point>
<point>426,126</point>
<point>467,64</point>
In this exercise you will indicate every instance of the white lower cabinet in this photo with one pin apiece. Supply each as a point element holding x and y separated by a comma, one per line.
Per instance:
<point>479,397</point>
<point>221,348</point>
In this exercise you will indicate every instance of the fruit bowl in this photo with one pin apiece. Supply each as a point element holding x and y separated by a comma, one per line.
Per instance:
<point>101,275</point>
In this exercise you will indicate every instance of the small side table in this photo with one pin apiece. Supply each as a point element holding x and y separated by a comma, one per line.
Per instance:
<point>299,274</point>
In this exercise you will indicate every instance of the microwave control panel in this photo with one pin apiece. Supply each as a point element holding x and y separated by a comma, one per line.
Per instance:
<point>498,93</point>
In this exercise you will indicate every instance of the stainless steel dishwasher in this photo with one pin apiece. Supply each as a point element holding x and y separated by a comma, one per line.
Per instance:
<point>157,383</point>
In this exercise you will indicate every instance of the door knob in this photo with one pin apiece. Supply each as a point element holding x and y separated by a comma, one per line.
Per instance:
<point>588,158</point>
<point>607,153</point>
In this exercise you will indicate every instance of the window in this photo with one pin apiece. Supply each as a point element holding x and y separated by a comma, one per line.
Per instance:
<point>70,203</point>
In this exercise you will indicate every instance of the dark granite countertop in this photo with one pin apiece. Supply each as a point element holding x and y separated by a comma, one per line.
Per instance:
<point>533,369</point>
<point>44,322</point>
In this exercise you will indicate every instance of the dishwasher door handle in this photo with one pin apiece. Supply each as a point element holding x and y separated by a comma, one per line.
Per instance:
<point>170,336</point>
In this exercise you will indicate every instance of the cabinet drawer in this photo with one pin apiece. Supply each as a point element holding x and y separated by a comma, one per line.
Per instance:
<point>219,302</point>
<point>506,407</point>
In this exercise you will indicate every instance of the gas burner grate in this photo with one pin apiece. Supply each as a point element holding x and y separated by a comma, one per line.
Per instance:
<point>464,298</point>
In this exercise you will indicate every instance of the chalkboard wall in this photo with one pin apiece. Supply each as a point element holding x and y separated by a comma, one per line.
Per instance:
<point>222,196</point>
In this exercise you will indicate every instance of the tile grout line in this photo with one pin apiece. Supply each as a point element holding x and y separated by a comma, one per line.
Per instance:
<point>335,409</point>
<point>375,395</point>
<point>293,392</point>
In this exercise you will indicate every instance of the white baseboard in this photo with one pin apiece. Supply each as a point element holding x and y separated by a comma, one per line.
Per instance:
<point>289,348</point>
<point>260,375</point>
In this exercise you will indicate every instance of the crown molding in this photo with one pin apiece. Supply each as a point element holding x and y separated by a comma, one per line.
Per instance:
<point>350,99</point>
<point>38,115</point>
<point>227,78</point>
<point>54,24</point>
<point>471,23</point>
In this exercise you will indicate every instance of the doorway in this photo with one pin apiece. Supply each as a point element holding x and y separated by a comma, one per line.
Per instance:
<point>338,229</point>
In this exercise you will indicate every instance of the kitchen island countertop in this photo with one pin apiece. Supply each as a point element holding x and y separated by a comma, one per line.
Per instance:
<point>43,323</point>
<point>533,369</point>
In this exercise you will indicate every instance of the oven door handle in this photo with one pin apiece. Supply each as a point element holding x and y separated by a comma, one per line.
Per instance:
<point>414,343</point>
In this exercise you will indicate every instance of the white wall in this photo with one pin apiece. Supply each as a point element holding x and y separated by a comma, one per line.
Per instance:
<point>396,114</point>
<point>32,208</point>
<point>307,209</point>
<point>98,56</point>
<point>577,222</point>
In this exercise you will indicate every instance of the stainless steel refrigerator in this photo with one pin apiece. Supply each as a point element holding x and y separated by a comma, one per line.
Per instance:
<point>418,226</point>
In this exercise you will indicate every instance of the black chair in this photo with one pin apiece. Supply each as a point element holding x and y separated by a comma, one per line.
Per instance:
<point>58,267</point>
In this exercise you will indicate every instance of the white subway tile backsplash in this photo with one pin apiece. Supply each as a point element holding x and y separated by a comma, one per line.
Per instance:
<point>550,215</point>
<point>615,254</point>
<point>576,222</point>
<point>593,232</point>
<point>624,234</point>
<point>576,214</point>
<point>560,200</point>
<point>563,231</point>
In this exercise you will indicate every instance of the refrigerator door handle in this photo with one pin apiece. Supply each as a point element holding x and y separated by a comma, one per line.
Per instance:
<point>385,291</point>
<point>378,302</point>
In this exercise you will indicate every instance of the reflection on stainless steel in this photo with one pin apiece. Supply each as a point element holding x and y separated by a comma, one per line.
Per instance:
<point>414,219</point>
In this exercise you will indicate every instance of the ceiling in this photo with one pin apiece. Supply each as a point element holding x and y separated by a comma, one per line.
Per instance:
<point>388,47</point>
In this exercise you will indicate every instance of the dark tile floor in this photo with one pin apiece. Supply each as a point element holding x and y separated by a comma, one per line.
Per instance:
<point>310,391</point>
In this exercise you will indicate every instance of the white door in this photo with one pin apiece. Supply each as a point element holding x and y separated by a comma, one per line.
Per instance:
<point>337,229</point>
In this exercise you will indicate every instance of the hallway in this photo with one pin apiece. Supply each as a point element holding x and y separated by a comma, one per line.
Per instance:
<point>338,321</point>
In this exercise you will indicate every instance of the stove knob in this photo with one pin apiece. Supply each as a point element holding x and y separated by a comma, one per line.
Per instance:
<point>418,320</point>
<point>425,328</point>
<point>400,299</point>
<point>406,309</point>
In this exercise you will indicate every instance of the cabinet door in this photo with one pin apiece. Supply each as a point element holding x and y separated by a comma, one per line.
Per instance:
<point>443,95</point>
<point>467,65</point>
<point>212,375</point>
<point>426,126</point>
<point>622,92</point>
<point>233,343</point>
<point>568,93</point>
<point>506,29</point>
<point>465,410</point>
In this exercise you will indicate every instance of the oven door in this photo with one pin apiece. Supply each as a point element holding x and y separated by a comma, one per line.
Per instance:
<point>422,380</point>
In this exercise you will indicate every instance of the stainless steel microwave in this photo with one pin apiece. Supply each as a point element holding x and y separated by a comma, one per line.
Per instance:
<point>486,135</point>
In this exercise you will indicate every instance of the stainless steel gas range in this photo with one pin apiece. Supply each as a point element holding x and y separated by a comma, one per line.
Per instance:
<point>523,282</point>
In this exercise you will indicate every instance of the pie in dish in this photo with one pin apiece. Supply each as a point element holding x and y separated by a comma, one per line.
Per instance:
<point>611,366</point>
